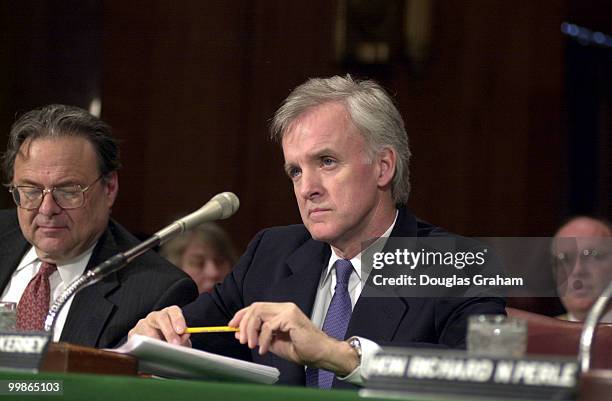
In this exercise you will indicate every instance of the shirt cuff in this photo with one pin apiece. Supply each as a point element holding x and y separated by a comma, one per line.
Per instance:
<point>368,349</point>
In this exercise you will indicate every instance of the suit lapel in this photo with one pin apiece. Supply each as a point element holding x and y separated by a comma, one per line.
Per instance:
<point>376,316</point>
<point>91,308</point>
<point>299,286</point>
<point>12,248</point>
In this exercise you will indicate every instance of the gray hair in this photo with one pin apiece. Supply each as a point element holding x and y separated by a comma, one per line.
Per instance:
<point>55,121</point>
<point>371,110</point>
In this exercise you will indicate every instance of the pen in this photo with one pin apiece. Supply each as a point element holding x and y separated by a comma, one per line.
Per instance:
<point>211,329</point>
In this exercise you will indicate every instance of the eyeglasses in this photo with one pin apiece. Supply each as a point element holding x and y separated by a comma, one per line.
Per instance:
<point>590,258</point>
<point>67,197</point>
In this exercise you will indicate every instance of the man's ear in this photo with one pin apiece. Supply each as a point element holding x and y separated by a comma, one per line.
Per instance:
<point>386,165</point>
<point>111,188</point>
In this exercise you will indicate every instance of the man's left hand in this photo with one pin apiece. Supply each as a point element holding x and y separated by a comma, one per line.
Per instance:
<point>283,329</point>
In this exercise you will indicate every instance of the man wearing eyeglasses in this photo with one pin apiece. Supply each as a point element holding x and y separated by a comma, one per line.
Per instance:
<point>582,258</point>
<point>61,168</point>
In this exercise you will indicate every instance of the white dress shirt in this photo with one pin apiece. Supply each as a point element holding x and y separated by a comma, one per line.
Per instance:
<point>58,281</point>
<point>325,292</point>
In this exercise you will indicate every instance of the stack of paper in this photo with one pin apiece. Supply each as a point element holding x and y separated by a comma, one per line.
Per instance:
<point>163,359</point>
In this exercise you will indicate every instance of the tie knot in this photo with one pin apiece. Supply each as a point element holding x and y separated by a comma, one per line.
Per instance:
<point>344,268</point>
<point>47,269</point>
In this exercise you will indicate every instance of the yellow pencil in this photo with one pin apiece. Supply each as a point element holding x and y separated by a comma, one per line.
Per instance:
<point>211,329</point>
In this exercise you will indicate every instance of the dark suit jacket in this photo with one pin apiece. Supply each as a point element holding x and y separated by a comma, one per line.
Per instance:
<point>102,314</point>
<point>284,264</point>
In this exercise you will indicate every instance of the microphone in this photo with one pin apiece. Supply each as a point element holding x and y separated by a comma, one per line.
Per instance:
<point>221,206</point>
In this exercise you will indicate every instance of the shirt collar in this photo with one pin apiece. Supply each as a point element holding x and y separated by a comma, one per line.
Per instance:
<point>356,260</point>
<point>68,270</point>
<point>29,258</point>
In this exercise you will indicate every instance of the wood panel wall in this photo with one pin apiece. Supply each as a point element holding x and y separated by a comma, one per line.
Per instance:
<point>190,86</point>
<point>190,91</point>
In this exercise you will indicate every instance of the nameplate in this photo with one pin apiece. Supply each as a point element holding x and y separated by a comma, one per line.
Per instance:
<point>406,372</point>
<point>22,350</point>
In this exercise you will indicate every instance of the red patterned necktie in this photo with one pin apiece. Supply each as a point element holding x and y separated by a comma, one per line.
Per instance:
<point>34,303</point>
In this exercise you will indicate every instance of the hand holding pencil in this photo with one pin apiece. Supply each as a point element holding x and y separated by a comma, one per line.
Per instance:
<point>169,325</point>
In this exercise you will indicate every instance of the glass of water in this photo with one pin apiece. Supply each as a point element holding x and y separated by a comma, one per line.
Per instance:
<point>8,316</point>
<point>497,335</point>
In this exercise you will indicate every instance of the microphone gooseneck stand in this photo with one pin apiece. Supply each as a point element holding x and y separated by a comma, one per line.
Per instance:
<point>590,326</point>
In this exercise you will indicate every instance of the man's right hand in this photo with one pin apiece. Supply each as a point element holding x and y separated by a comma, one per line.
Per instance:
<point>167,324</point>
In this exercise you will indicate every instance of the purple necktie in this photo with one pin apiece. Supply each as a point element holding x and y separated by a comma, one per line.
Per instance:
<point>336,321</point>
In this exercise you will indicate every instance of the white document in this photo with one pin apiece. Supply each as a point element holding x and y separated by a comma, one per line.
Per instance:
<point>160,358</point>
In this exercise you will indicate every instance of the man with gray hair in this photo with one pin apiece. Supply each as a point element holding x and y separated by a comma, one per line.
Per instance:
<point>297,291</point>
<point>61,168</point>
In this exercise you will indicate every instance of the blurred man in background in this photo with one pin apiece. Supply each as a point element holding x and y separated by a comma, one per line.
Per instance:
<point>582,259</point>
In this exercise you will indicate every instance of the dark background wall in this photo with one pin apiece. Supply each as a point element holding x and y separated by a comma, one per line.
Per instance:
<point>491,111</point>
